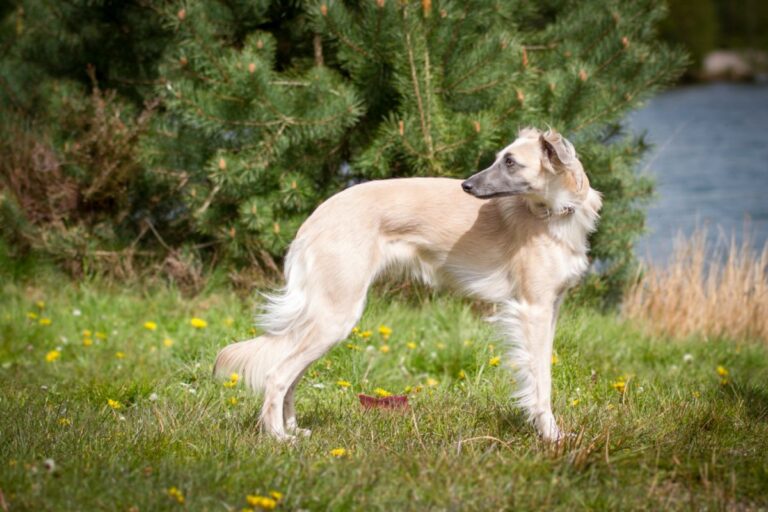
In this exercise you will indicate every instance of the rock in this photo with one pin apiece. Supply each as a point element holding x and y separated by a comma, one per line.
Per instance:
<point>734,65</point>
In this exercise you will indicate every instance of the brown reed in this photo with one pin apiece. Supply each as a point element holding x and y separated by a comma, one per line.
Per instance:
<point>714,292</point>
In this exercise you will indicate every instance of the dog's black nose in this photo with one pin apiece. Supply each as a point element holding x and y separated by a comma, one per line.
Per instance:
<point>467,186</point>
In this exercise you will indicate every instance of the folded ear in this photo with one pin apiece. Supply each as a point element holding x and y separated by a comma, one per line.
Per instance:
<point>561,155</point>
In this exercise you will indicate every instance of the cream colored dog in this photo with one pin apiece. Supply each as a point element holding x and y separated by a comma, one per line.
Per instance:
<point>514,234</point>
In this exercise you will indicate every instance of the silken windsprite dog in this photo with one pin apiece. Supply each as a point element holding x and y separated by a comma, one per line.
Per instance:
<point>514,234</point>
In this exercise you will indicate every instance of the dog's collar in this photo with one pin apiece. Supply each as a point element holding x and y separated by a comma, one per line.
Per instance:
<point>543,211</point>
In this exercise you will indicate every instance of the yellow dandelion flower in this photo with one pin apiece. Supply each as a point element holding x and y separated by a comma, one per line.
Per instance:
<point>263,502</point>
<point>462,375</point>
<point>366,334</point>
<point>45,321</point>
<point>619,385</point>
<point>339,452</point>
<point>495,361</point>
<point>385,331</point>
<point>114,404</point>
<point>382,392</point>
<point>150,325</point>
<point>232,400</point>
<point>355,330</point>
<point>176,494</point>
<point>554,358</point>
<point>87,342</point>
<point>411,345</point>
<point>65,422</point>
<point>432,382</point>
<point>343,383</point>
<point>696,394</point>
<point>120,355</point>
<point>100,335</point>
<point>384,349</point>
<point>198,323</point>
<point>232,382</point>
<point>352,346</point>
<point>276,495</point>
<point>575,402</point>
<point>52,356</point>
<point>31,315</point>
<point>40,304</point>
<point>722,371</point>
<point>408,389</point>
<point>87,333</point>
<point>168,342</point>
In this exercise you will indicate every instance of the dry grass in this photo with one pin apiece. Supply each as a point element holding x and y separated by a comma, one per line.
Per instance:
<point>720,292</point>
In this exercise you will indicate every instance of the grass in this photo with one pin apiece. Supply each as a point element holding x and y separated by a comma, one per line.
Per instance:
<point>655,425</point>
<point>704,291</point>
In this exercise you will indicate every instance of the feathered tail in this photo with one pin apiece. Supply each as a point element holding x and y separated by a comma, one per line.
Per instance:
<point>252,359</point>
<point>284,318</point>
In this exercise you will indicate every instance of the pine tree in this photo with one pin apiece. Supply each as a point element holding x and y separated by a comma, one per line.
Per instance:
<point>267,107</point>
<point>399,88</point>
<point>259,144</point>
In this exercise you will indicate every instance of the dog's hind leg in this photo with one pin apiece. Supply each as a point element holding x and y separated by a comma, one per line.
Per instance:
<point>289,411</point>
<point>278,416</point>
<point>330,320</point>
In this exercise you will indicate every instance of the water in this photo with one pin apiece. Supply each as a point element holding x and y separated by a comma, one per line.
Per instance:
<point>709,161</point>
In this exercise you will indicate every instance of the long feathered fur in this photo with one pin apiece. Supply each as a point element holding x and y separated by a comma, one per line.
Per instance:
<point>281,318</point>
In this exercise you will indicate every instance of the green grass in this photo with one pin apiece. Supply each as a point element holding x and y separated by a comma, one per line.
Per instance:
<point>677,437</point>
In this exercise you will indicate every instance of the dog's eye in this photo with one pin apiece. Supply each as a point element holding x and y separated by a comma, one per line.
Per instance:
<point>509,161</point>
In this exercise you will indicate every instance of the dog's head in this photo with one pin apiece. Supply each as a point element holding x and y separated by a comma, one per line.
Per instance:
<point>542,166</point>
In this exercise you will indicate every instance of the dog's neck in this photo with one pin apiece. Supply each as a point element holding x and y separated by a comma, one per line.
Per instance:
<point>569,219</point>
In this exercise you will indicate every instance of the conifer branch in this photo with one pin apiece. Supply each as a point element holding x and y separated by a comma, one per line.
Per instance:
<point>478,88</point>
<point>417,92</point>
<point>232,122</point>
<point>452,43</point>
<point>471,71</point>
<point>607,61</point>
<point>211,58</point>
<point>317,44</point>
<point>604,34</point>
<point>341,37</point>
<point>628,99</point>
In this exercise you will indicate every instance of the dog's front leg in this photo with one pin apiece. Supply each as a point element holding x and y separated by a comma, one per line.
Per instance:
<point>530,331</point>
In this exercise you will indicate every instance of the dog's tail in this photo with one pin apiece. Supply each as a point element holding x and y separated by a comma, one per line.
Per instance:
<point>252,359</point>
<point>284,318</point>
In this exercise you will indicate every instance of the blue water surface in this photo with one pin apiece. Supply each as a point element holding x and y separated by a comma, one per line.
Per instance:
<point>709,161</point>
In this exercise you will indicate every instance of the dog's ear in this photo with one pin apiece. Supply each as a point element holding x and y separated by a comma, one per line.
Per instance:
<point>560,155</point>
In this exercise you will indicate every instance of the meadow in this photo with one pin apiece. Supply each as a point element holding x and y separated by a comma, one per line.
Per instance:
<point>107,403</point>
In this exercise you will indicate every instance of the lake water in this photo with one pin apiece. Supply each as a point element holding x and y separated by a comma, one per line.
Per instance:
<point>709,161</point>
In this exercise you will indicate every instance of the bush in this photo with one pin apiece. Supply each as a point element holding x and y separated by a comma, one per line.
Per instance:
<point>267,108</point>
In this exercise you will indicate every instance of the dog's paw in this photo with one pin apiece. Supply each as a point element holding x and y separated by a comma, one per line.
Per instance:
<point>303,432</point>
<point>547,428</point>
<point>300,432</point>
<point>287,439</point>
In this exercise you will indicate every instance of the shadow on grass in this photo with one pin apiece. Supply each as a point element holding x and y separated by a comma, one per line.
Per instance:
<point>755,400</point>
